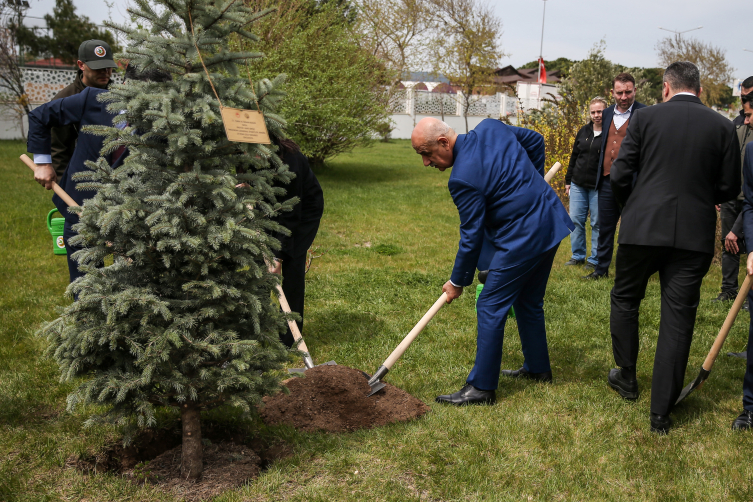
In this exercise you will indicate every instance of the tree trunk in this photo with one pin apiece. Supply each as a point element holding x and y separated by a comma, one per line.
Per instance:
<point>192,459</point>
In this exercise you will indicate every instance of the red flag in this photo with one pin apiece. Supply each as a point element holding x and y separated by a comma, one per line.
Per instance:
<point>542,71</point>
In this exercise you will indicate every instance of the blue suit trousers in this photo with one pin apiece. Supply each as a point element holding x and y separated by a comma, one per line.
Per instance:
<point>522,286</point>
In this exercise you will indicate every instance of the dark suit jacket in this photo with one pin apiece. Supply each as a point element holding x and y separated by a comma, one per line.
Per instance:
<point>81,109</point>
<point>748,192</point>
<point>310,207</point>
<point>685,158</point>
<point>506,208</point>
<point>606,123</point>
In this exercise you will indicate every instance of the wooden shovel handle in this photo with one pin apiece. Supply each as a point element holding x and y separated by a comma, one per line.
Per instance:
<point>292,324</point>
<point>728,322</point>
<point>414,332</point>
<point>61,193</point>
<point>556,167</point>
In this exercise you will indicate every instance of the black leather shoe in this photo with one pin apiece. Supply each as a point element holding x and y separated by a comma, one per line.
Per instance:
<point>469,395</point>
<point>726,296</point>
<point>573,261</point>
<point>743,422</point>
<point>660,424</point>
<point>593,276</point>
<point>522,373</point>
<point>628,389</point>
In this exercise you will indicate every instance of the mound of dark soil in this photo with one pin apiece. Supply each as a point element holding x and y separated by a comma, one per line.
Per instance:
<point>333,398</point>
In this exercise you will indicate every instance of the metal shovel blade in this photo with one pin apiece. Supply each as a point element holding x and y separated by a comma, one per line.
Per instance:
<point>375,382</point>
<point>301,370</point>
<point>702,376</point>
<point>376,387</point>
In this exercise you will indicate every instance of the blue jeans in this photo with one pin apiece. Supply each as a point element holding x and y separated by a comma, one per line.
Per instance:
<point>581,201</point>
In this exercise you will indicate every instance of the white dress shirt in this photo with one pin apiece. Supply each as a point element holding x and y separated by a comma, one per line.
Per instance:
<point>620,118</point>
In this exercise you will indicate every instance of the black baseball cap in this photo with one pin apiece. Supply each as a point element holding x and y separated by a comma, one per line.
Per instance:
<point>96,54</point>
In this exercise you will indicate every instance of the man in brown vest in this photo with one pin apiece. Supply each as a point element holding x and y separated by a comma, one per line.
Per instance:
<point>614,123</point>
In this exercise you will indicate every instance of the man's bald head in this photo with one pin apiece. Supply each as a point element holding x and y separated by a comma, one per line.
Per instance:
<point>434,141</point>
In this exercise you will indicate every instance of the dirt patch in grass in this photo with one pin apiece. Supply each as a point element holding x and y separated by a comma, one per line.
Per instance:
<point>333,399</point>
<point>231,458</point>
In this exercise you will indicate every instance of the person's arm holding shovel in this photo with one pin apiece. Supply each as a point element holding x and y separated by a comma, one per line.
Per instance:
<point>42,119</point>
<point>472,209</point>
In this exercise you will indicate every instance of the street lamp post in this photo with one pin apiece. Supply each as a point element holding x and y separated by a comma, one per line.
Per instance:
<point>541,48</point>
<point>679,33</point>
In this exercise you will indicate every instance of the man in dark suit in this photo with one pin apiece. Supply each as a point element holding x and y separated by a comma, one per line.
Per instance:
<point>745,420</point>
<point>303,223</point>
<point>678,160</point>
<point>511,223</point>
<point>615,122</point>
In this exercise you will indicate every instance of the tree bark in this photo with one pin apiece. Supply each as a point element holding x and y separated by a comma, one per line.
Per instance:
<point>192,458</point>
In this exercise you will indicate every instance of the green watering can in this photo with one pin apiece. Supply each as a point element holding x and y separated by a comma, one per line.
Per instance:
<point>480,288</point>
<point>55,226</point>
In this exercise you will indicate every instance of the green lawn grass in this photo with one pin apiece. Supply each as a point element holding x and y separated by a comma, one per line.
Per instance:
<point>388,240</point>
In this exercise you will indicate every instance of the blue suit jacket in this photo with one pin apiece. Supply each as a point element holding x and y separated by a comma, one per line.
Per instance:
<point>748,200</point>
<point>508,213</point>
<point>80,110</point>
<point>606,123</point>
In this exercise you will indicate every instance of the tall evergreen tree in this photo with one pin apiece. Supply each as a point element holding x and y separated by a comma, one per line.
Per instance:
<point>182,317</point>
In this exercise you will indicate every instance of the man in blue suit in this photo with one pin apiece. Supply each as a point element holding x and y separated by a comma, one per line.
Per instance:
<point>615,120</point>
<point>511,223</point>
<point>81,110</point>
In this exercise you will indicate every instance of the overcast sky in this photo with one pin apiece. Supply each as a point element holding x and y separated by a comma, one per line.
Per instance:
<point>631,29</point>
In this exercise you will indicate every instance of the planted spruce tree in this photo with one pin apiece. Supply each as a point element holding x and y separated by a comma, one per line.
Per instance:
<point>180,315</point>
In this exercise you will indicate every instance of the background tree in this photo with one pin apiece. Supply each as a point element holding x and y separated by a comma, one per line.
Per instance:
<point>69,30</point>
<point>711,61</point>
<point>13,99</point>
<point>395,31</point>
<point>335,94</point>
<point>561,64</point>
<point>466,47</point>
<point>594,76</point>
<point>182,318</point>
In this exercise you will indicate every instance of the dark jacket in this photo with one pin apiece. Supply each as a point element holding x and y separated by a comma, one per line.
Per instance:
<point>606,123</point>
<point>64,137</point>
<point>508,213</point>
<point>306,187</point>
<point>584,161</point>
<point>684,158</point>
<point>740,119</point>
<point>79,110</point>
<point>747,211</point>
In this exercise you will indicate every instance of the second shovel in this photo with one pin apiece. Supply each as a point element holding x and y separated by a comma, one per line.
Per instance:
<point>375,382</point>
<point>307,360</point>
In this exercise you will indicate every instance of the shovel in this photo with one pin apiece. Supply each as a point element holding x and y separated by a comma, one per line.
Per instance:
<point>375,382</point>
<point>720,338</point>
<point>58,190</point>
<point>556,167</point>
<point>307,360</point>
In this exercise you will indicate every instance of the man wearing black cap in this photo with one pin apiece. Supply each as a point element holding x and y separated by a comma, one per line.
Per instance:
<point>95,64</point>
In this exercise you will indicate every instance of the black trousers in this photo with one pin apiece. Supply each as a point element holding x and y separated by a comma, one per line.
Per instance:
<point>294,273</point>
<point>730,261</point>
<point>609,215</point>
<point>681,273</point>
